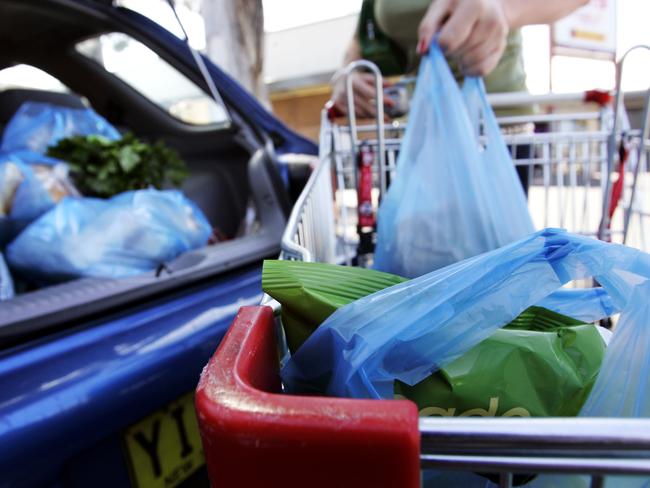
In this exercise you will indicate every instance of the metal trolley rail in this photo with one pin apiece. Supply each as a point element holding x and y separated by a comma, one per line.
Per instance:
<point>585,170</point>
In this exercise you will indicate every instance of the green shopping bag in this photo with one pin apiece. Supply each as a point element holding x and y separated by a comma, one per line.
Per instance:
<point>311,292</point>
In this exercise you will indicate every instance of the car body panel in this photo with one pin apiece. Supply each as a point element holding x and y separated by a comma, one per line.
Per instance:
<point>63,396</point>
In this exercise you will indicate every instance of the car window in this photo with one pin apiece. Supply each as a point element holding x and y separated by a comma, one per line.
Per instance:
<point>26,76</point>
<point>149,74</point>
<point>161,13</point>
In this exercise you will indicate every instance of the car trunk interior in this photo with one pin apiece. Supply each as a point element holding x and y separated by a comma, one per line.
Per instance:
<point>232,172</point>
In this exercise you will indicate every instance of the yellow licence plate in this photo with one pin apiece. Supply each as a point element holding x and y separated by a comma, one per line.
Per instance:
<point>164,448</point>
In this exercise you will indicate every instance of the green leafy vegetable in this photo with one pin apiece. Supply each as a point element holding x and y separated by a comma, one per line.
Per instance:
<point>103,168</point>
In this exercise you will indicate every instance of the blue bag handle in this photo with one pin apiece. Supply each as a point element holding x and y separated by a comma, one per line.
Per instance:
<point>497,165</point>
<point>586,304</point>
<point>435,144</point>
<point>412,329</point>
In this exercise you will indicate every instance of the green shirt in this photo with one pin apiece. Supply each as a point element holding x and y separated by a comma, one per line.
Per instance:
<point>399,20</point>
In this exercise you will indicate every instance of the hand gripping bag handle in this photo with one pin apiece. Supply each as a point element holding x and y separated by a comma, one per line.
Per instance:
<point>411,329</point>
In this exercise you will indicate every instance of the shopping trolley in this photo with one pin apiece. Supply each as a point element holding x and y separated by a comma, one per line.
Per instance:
<point>254,435</point>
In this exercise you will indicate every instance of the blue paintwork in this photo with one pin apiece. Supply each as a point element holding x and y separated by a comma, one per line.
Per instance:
<point>64,396</point>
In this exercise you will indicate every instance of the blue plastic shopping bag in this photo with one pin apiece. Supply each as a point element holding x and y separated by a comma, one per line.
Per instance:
<point>6,283</point>
<point>36,126</point>
<point>34,183</point>
<point>126,235</point>
<point>451,198</point>
<point>30,184</point>
<point>412,329</point>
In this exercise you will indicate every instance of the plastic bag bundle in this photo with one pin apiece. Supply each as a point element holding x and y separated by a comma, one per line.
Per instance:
<point>128,234</point>
<point>541,364</point>
<point>412,329</point>
<point>35,126</point>
<point>450,199</point>
<point>311,292</point>
<point>30,182</point>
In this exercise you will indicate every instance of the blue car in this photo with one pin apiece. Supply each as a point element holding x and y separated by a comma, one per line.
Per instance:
<point>96,375</point>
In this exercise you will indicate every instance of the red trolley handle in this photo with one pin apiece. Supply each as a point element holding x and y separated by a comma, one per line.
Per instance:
<point>254,436</point>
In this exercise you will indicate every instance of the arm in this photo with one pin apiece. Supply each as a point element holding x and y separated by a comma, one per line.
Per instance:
<point>475,31</point>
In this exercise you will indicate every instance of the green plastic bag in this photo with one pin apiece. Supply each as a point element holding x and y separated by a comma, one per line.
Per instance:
<point>311,292</point>
<point>541,364</point>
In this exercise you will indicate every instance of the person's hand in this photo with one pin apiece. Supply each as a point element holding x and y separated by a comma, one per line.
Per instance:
<point>365,96</point>
<point>473,32</point>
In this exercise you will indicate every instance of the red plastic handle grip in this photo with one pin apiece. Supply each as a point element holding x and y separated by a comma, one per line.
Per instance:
<point>254,437</point>
<point>599,97</point>
<point>333,111</point>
